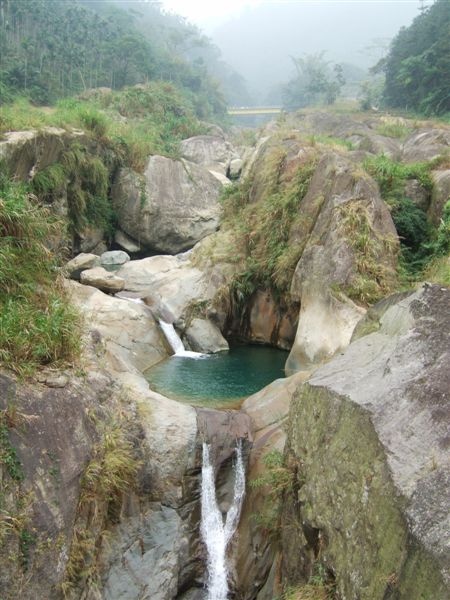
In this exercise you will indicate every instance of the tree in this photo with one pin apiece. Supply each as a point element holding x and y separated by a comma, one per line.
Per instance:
<point>417,67</point>
<point>316,81</point>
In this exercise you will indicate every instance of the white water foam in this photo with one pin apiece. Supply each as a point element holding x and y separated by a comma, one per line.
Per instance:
<point>175,342</point>
<point>215,533</point>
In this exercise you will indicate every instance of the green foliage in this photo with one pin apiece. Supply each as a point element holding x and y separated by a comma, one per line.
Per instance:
<point>417,67</point>
<point>315,82</point>
<point>8,454</point>
<point>394,130</point>
<point>410,221</point>
<point>37,324</point>
<point>53,49</point>
<point>262,229</point>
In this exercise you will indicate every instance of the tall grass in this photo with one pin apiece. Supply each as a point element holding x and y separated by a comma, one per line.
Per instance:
<point>38,326</point>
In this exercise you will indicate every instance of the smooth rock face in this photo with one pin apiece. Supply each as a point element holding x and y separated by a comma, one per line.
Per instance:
<point>369,433</point>
<point>80,263</point>
<point>204,336</point>
<point>102,279</point>
<point>170,208</point>
<point>338,193</point>
<point>126,242</point>
<point>426,145</point>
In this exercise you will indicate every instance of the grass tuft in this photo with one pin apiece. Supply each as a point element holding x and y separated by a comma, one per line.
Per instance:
<point>37,323</point>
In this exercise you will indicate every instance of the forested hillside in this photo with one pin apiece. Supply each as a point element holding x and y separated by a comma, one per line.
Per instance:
<point>49,50</point>
<point>417,67</point>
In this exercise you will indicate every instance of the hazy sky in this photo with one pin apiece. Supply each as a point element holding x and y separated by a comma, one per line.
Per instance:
<point>258,37</point>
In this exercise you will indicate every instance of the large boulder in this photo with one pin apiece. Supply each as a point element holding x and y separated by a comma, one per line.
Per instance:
<point>211,151</point>
<point>204,336</point>
<point>426,145</point>
<point>368,435</point>
<point>169,208</point>
<point>351,251</point>
<point>102,279</point>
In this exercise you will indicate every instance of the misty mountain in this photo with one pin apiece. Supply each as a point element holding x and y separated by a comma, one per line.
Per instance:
<point>260,42</point>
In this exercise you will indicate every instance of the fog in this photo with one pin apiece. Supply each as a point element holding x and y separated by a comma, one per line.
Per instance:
<point>258,43</point>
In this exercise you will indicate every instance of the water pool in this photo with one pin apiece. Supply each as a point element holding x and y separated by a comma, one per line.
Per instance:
<point>222,379</point>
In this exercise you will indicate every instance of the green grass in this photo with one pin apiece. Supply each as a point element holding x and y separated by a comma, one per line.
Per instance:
<point>394,130</point>
<point>418,238</point>
<point>134,122</point>
<point>261,229</point>
<point>38,325</point>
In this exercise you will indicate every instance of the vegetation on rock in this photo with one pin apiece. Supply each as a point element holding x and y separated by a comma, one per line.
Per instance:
<point>37,324</point>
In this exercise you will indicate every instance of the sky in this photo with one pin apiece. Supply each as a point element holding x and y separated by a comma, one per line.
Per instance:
<point>258,38</point>
<point>208,14</point>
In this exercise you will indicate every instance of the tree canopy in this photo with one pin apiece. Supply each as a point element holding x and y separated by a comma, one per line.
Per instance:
<point>417,67</point>
<point>316,81</point>
<point>50,49</point>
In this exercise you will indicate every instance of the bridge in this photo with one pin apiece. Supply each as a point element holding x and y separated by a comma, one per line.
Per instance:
<point>255,110</point>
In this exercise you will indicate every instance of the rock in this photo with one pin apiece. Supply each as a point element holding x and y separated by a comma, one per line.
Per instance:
<point>53,439</point>
<point>148,551</point>
<point>235,168</point>
<point>167,283</point>
<point>220,177</point>
<point>126,242</point>
<point>168,209</point>
<point>80,263</point>
<point>420,196</point>
<point>56,381</point>
<point>90,239</point>
<point>103,280</point>
<point>268,410</point>
<point>440,195</point>
<point>208,150</point>
<point>24,153</point>
<point>426,145</point>
<point>338,196</point>
<point>128,334</point>
<point>204,336</point>
<point>369,435</point>
<point>114,259</point>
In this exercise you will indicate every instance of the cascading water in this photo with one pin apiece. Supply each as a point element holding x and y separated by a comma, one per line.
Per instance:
<point>215,533</point>
<point>175,342</point>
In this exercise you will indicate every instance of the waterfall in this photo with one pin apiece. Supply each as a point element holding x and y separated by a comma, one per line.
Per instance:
<point>175,342</point>
<point>215,533</point>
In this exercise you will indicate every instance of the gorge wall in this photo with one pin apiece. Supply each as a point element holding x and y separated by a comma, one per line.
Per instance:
<point>101,475</point>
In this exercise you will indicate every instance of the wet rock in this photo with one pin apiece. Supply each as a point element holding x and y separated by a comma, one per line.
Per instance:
<point>103,280</point>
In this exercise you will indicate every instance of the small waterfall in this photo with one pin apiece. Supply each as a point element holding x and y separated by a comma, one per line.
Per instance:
<point>175,342</point>
<point>215,533</point>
